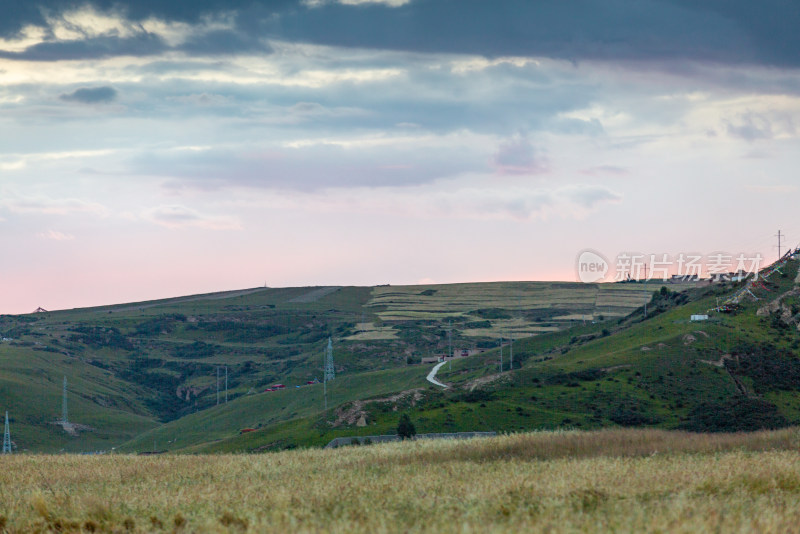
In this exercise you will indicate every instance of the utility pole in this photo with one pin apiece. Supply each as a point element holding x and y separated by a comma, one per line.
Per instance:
<point>780,237</point>
<point>501,354</point>
<point>330,372</point>
<point>7,438</point>
<point>226,384</point>
<point>450,344</point>
<point>511,350</point>
<point>64,418</point>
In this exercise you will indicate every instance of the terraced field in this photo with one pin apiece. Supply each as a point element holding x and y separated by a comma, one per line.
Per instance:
<point>519,309</point>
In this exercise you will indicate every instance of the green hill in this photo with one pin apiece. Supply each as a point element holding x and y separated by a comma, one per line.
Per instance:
<point>143,375</point>
<point>736,371</point>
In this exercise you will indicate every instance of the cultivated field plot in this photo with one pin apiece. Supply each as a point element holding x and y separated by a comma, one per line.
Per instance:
<point>520,308</point>
<point>618,481</point>
<point>371,332</point>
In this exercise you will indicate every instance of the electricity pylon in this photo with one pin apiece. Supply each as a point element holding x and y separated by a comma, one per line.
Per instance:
<point>329,373</point>
<point>7,438</point>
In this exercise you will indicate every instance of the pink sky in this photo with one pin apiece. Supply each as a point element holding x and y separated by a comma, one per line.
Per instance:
<point>304,160</point>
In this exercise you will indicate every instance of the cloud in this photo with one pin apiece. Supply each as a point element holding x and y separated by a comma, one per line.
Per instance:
<point>314,110</point>
<point>380,161</point>
<point>719,31</point>
<point>772,189</point>
<point>588,196</point>
<point>447,200</point>
<point>91,95</point>
<point>613,170</point>
<point>54,206</point>
<point>569,202</point>
<point>95,30</point>
<point>518,156</point>
<point>55,235</point>
<point>768,124</point>
<point>387,3</point>
<point>178,216</point>
<point>90,48</point>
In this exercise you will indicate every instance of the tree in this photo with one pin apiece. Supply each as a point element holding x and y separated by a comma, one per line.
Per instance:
<point>405,428</point>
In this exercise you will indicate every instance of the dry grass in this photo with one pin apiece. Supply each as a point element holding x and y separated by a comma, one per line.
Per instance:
<point>624,481</point>
<point>370,332</point>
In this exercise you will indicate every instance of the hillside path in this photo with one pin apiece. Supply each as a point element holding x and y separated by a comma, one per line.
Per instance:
<point>432,375</point>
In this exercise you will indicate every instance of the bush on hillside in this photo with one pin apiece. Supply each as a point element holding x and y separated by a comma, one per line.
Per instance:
<point>405,428</point>
<point>740,414</point>
<point>769,368</point>
<point>627,417</point>
<point>198,349</point>
<point>100,337</point>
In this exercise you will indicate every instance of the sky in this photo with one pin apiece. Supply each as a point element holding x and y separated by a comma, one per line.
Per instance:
<point>161,148</point>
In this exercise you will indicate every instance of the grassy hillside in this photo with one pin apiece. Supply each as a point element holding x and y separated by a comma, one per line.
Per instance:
<point>137,366</point>
<point>31,390</point>
<point>736,371</point>
<point>585,356</point>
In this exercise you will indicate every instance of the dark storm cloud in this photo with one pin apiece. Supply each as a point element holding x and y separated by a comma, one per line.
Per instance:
<point>144,44</point>
<point>730,31</point>
<point>16,14</point>
<point>223,42</point>
<point>725,31</point>
<point>91,95</point>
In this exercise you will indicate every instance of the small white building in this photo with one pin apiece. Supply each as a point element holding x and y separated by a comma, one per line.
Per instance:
<point>699,318</point>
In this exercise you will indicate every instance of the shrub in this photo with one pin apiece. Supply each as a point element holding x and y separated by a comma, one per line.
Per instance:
<point>405,428</point>
<point>198,349</point>
<point>740,414</point>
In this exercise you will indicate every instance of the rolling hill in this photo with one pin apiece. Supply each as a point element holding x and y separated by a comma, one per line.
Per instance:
<point>143,375</point>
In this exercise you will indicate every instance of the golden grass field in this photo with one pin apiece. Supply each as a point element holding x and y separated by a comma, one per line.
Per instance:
<point>616,480</point>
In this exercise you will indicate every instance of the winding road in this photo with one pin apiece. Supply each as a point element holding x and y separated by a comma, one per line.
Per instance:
<point>432,375</point>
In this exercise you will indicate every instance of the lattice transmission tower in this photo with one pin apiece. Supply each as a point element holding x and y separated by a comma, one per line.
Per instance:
<point>7,438</point>
<point>330,373</point>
